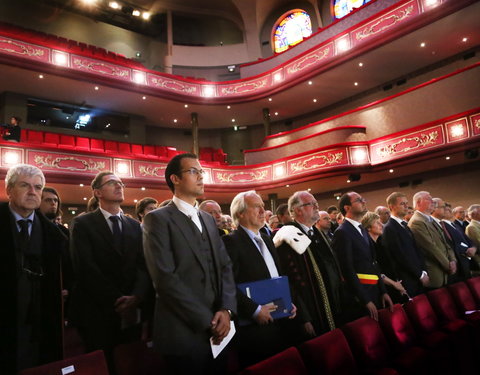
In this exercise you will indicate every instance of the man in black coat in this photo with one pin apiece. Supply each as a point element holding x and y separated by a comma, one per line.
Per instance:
<point>111,276</point>
<point>30,281</point>
<point>355,254</point>
<point>255,258</point>
<point>398,241</point>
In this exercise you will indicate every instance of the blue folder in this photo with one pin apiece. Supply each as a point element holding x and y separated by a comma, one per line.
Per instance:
<point>274,290</point>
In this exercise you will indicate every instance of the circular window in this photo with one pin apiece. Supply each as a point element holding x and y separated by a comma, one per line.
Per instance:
<point>290,29</point>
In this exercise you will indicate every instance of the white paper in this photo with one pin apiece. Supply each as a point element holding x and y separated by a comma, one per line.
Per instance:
<point>217,349</point>
<point>68,370</point>
<point>468,312</point>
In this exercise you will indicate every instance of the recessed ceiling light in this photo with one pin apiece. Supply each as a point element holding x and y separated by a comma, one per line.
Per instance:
<point>143,188</point>
<point>96,88</point>
<point>287,185</point>
<point>228,107</point>
<point>174,120</point>
<point>136,13</point>
<point>276,113</point>
<point>40,76</point>
<point>348,181</point>
<point>391,170</point>
<point>113,5</point>
<point>135,200</point>
<point>360,64</point>
<point>422,44</point>
<point>356,83</point>
<point>146,15</point>
<point>447,158</point>
<point>233,120</point>
<point>144,97</point>
<point>314,100</point>
<point>186,105</point>
<point>84,198</point>
<point>310,82</point>
<point>464,40</point>
<point>309,189</point>
<point>270,99</point>
<point>81,185</point>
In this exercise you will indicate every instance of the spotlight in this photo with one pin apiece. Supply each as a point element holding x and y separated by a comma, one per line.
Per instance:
<point>136,13</point>
<point>113,5</point>
<point>146,15</point>
<point>231,68</point>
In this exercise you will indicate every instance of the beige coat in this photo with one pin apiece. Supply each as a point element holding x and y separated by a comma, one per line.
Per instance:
<point>437,252</point>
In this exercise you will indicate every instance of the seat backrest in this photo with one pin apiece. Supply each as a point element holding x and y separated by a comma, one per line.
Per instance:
<point>329,354</point>
<point>86,364</point>
<point>463,297</point>
<point>369,346</point>
<point>442,303</point>
<point>288,362</point>
<point>397,328</point>
<point>421,314</point>
<point>474,285</point>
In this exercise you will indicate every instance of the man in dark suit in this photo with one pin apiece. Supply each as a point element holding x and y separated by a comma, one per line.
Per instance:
<point>30,282</point>
<point>111,277</point>
<point>314,273</point>
<point>255,258</point>
<point>357,260</point>
<point>459,218</point>
<point>398,240</point>
<point>191,272</point>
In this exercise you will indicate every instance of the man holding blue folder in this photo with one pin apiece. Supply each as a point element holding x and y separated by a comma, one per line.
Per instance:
<point>254,258</point>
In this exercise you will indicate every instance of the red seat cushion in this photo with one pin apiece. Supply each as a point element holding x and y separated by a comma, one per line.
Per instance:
<point>474,285</point>
<point>35,136</point>
<point>97,145</point>
<point>82,143</point>
<point>67,141</point>
<point>287,362</point>
<point>51,139</point>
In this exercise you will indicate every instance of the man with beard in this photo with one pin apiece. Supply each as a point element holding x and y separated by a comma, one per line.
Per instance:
<point>112,280</point>
<point>356,256</point>
<point>51,206</point>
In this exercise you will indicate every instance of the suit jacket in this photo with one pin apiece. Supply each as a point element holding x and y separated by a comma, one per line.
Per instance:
<point>179,274</point>
<point>407,258</point>
<point>355,255</point>
<point>460,243</point>
<point>51,345</point>
<point>248,265</point>
<point>104,273</point>
<point>437,252</point>
<point>461,225</point>
<point>473,232</point>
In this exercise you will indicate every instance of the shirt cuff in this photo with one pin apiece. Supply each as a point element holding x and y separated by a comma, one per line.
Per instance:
<point>257,311</point>
<point>424,273</point>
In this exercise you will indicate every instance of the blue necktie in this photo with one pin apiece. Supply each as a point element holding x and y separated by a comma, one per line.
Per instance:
<point>117,233</point>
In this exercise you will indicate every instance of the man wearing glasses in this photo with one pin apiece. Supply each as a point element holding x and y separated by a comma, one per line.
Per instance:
<point>191,272</point>
<point>30,283</point>
<point>112,280</point>
<point>356,256</point>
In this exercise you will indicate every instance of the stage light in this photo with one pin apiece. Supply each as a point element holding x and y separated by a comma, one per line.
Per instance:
<point>113,5</point>
<point>146,16</point>
<point>136,13</point>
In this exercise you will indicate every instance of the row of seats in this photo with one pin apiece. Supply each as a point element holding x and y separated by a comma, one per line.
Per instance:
<point>73,142</point>
<point>67,45</point>
<point>434,333</point>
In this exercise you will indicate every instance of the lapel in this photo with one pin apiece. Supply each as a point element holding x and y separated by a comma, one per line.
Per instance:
<point>101,227</point>
<point>351,228</point>
<point>254,251</point>
<point>183,227</point>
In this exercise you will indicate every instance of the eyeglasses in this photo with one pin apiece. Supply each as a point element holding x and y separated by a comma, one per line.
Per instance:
<point>112,183</point>
<point>359,200</point>
<point>313,204</point>
<point>194,172</point>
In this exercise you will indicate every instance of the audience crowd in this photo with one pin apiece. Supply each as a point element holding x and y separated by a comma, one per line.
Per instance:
<point>171,274</point>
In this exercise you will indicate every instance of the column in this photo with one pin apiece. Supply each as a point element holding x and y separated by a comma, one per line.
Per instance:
<point>266,121</point>
<point>168,60</point>
<point>195,147</point>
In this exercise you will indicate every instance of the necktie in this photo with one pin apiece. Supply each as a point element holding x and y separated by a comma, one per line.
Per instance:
<point>117,233</point>
<point>364,234</point>
<point>405,225</point>
<point>196,221</point>
<point>310,233</point>
<point>447,233</point>
<point>24,236</point>
<point>267,257</point>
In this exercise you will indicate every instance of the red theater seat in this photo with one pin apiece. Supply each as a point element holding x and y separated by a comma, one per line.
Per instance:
<point>86,364</point>
<point>161,151</point>
<point>124,148</point>
<point>35,136</point>
<point>82,143</point>
<point>465,302</point>
<point>137,149</point>
<point>149,151</point>
<point>111,146</point>
<point>287,362</point>
<point>329,354</point>
<point>66,141</point>
<point>474,285</point>
<point>171,152</point>
<point>136,358</point>
<point>23,135</point>
<point>51,139</point>
<point>97,145</point>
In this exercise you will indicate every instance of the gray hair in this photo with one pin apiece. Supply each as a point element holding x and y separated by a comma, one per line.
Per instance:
<point>369,218</point>
<point>22,169</point>
<point>472,208</point>
<point>295,200</point>
<point>419,195</point>
<point>238,205</point>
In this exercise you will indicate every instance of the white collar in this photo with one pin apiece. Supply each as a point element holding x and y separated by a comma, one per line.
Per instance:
<point>354,222</point>
<point>185,208</point>
<point>107,214</point>
<point>399,221</point>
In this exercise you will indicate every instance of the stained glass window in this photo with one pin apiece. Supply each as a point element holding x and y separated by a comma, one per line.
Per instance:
<point>342,7</point>
<point>291,29</point>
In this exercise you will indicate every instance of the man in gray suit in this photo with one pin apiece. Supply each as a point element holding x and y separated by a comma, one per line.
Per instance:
<point>439,257</point>
<point>191,272</point>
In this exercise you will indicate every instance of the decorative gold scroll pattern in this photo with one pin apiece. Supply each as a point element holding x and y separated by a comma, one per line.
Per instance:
<point>308,60</point>
<point>394,18</point>
<point>22,49</point>
<point>173,85</point>
<point>146,170</point>
<point>50,161</point>
<point>317,161</point>
<point>244,87</point>
<point>421,141</point>
<point>477,123</point>
<point>254,176</point>
<point>100,68</point>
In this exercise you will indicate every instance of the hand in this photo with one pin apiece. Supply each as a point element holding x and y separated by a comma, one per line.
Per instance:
<point>263,316</point>
<point>293,312</point>
<point>453,267</point>
<point>387,301</point>
<point>398,285</point>
<point>309,330</point>
<point>471,251</point>
<point>125,303</point>
<point>220,326</point>
<point>372,310</point>
<point>425,280</point>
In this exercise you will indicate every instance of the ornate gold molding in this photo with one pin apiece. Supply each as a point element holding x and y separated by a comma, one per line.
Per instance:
<point>247,87</point>
<point>420,141</point>
<point>317,161</point>
<point>55,162</point>
<point>173,85</point>
<point>24,50</point>
<point>394,18</point>
<point>146,170</point>
<point>93,67</point>
<point>230,177</point>
<point>308,60</point>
